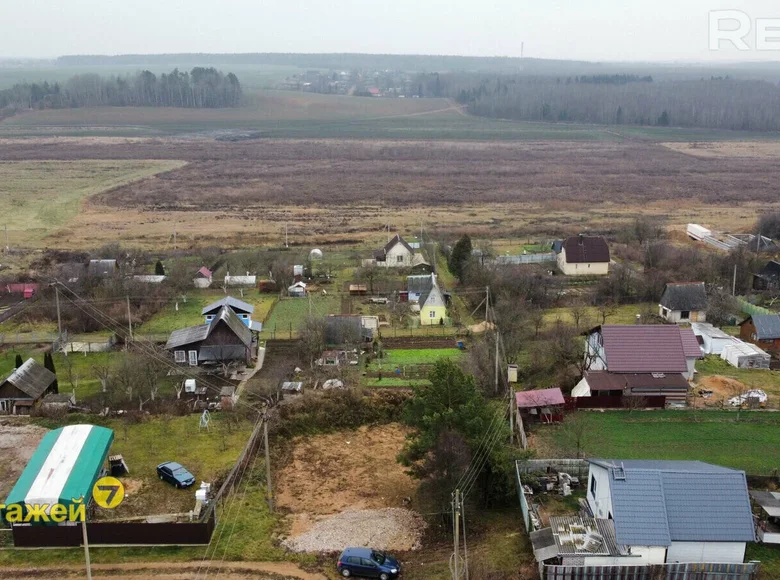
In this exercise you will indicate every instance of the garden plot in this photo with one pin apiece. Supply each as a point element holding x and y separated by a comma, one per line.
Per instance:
<point>405,367</point>
<point>341,488</point>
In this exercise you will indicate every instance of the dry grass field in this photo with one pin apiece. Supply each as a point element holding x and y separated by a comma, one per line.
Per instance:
<point>327,191</point>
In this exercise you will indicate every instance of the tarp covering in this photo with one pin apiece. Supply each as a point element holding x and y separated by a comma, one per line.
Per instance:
<point>64,468</point>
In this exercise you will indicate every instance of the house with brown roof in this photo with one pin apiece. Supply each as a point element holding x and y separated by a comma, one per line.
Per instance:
<point>672,386</point>
<point>395,254</point>
<point>25,386</point>
<point>684,302</point>
<point>642,348</point>
<point>584,256</point>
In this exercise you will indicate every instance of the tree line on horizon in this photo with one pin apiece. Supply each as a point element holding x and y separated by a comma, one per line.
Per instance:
<point>714,103</point>
<point>201,88</point>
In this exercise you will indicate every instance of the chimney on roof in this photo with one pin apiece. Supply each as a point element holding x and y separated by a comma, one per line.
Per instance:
<point>638,319</point>
<point>581,239</point>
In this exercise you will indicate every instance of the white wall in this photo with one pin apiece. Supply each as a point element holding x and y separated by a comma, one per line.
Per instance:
<point>581,390</point>
<point>595,353</point>
<point>720,552</point>
<point>691,364</point>
<point>601,503</point>
<point>585,269</point>
<point>391,260</point>
<point>640,556</point>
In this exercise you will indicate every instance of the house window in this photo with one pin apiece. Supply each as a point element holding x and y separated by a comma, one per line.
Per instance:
<point>685,314</point>
<point>432,314</point>
<point>400,259</point>
<point>193,358</point>
<point>180,356</point>
<point>593,486</point>
<point>209,317</point>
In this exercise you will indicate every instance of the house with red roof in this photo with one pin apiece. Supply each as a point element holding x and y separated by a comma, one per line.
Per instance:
<point>202,278</point>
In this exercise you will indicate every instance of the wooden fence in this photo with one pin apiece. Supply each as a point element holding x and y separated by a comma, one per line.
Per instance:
<point>115,534</point>
<point>692,571</point>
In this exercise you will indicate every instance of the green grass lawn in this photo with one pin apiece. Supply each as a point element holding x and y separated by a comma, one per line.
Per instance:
<point>712,436</point>
<point>392,381</point>
<point>289,314</point>
<point>189,313</point>
<point>411,357</point>
<point>42,196</point>
<point>625,314</point>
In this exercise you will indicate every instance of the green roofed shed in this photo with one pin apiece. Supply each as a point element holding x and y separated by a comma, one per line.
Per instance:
<point>64,468</point>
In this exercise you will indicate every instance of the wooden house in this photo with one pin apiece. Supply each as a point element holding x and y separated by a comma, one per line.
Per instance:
<point>762,330</point>
<point>25,386</point>
<point>222,340</point>
<point>685,302</point>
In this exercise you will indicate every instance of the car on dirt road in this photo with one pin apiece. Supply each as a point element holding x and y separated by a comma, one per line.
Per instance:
<point>175,474</point>
<point>368,563</point>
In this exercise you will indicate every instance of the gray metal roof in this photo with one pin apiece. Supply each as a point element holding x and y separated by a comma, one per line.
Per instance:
<point>234,303</point>
<point>187,335</point>
<point>419,284</point>
<point>687,296</point>
<point>657,502</point>
<point>767,326</point>
<point>575,535</point>
<point>31,378</point>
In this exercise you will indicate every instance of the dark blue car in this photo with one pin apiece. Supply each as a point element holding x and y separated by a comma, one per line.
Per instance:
<point>368,563</point>
<point>175,474</point>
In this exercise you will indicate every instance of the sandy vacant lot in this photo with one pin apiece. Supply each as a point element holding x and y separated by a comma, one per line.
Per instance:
<point>18,441</point>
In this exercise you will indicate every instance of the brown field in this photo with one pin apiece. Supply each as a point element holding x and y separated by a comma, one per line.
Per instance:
<point>736,149</point>
<point>239,194</point>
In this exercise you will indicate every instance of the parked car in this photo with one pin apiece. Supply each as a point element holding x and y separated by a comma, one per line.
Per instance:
<point>368,563</point>
<point>175,474</point>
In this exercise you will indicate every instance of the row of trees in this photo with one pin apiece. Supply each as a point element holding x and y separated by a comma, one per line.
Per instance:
<point>616,100</point>
<point>199,88</point>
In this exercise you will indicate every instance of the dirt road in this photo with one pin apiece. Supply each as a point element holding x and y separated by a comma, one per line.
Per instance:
<point>170,571</point>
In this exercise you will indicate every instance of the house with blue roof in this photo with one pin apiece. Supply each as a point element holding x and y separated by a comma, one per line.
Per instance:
<point>672,511</point>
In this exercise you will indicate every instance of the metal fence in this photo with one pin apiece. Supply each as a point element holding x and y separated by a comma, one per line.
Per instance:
<point>751,309</point>
<point>691,571</point>
<point>523,259</point>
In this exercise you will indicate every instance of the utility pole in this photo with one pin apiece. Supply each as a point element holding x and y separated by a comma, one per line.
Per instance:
<point>174,235</point>
<point>734,283</point>
<point>129,319</point>
<point>286,238</point>
<point>456,527</point>
<point>487,302</point>
<point>59,318</point>
<point>86,547</point>
<point>496,376</point>
<point>7,247</point>
<point>268,484</point>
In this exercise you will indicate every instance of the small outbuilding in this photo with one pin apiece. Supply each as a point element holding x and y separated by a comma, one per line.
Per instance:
<point>762,330</point>
<point>25,386</point>
<point>202,278</point>
<point>744,355</point>
<point>685,302</point>
<point>544,405</point>
<point>297,290</point>
<point>711,340</point>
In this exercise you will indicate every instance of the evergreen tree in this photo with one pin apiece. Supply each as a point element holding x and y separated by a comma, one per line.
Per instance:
<point>19,362</point>
<point>460,256</point>
<point>663,120</point>
<point>48,362</point>
<point>619,116</point>
<point>159,270</point>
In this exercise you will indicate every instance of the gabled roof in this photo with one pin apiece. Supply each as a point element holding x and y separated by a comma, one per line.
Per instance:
<point>192,334</point>
<point>767,326</point>
<point>31,378</point>
<point>586,249</point>
<point>234,303</point>
<point>691,346</point>
<point>540,398</point>
<point>419,284</point>
<point>434,291</point>
<point>690,296</point>
<point>204,273</point>
<point>655,503</point>
<point>396,239</point>
<point>771,270</point>
<point>557,246</point>
<point>707,329</point>
<point>343,329</point>
<point>606,381</point>
<point>101,267</point>
<point>644,348</point>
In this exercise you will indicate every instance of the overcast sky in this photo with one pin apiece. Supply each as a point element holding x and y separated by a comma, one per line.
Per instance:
<point>659,30</point>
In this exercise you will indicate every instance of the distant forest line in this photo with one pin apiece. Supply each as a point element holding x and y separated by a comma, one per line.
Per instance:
<point>715,103</point>
<point>201,88</point>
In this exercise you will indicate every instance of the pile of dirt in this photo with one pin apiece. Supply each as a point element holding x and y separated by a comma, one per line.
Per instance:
<point>393,529</point>
<point>722,388</point>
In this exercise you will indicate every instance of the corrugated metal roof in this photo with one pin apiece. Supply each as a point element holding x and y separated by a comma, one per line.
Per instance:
<point>576,535</point>
<point>31,378</point>
<point>234,303</point>
<point>657,502</point>
<point>707,329</point>
<point>586,249</point>
<point>540,398</point>
<point>686,296</point>
<point>640,348</point>
<point>229,317</point>
<point>767,326</point>
<point>184,336</point>
<point>691,346</point>
<point>419,284</point>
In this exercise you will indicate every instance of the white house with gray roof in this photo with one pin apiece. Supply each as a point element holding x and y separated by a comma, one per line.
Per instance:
<point>673,511</point>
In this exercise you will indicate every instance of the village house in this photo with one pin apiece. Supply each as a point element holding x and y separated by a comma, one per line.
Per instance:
<point>25,386</point>
<point>433,305</point>
<point>762,330</point>
<point>226,338</point>
<point>242,309</point>
<point>396,254</point>
<point>543,405</point>
<point>642,348</point>
<point>246,281</point>
<point>202,278</point>
<point>102,268</point>
<point>672,511</point>
<point>297,290</point>
<point>768,278</point>
<point>673,387</point>
<point>584,256</point>
<point>418,285</point>
<point>685,302</point>
<point>346,329</point>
